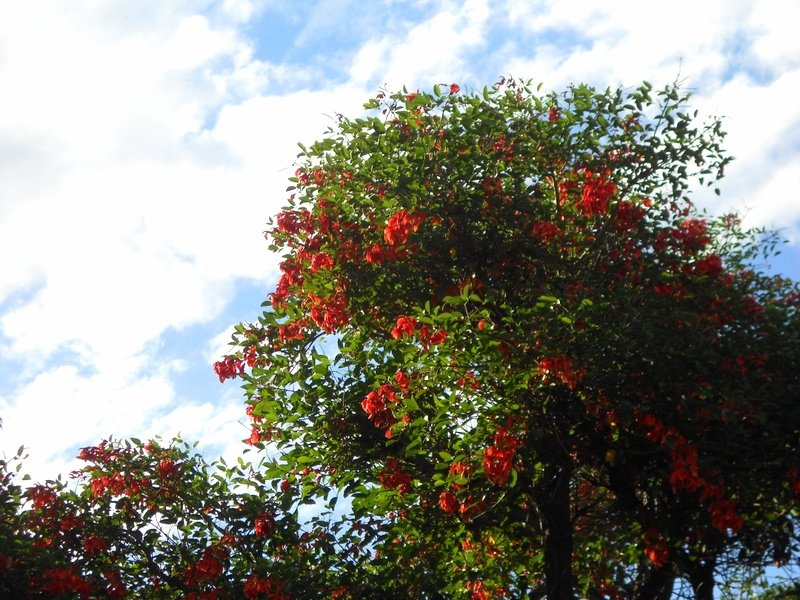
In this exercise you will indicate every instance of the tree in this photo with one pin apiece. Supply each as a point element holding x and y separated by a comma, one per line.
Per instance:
<point>503,330</point>
<point>146,520</point>
<point>506,358</point>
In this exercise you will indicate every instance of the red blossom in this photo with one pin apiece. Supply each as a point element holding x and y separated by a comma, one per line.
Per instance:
<point>57,582</point>
<point>545,231</point>
<point>710,266</point>
<point>321,261</point>
<point>597,192</point>
<point>628,215</point>
<point>723,515</point>
<point>293,222</point>
<point>210,566</point>
<point>167,469</point>
<point>448,502</point>
<point>69,522</point>
<point>459,470</point>
<point>256,436</point>
<point>375,254</point>
<point>454,88</point>
<point>94,544</point>
<point>405,327</point>
<point>291,331</point>
<point>376,407</point>
<point>264,587</point>
<point>41,496</point>
<point>402,380</point>
<point>479,591</point>
<point>400,225</point>
<point>393,477</point>
<point>329,314</point>
<point>559,368</point>
<point>654,548</point>
<point>228,368</point>
<point>498,459</point>
<point>264,524</point>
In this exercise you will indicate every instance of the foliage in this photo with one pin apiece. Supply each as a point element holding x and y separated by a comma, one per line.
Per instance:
<point>152,521</point>
<point>506,357</point>
<point>503,328</point>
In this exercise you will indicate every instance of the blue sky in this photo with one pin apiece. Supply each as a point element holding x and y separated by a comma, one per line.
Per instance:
<point>144,144</point>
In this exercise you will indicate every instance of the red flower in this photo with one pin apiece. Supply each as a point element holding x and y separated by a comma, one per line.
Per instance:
<point>545,231</point>
<point>264,525</point>
<point>479,591</point>
<point>498,459</point>
<point>454,88</point>
<point>402,380</point>
<point>65,581</point>
<point>374,254</point>
<point>448,502</point>
<point>654,548</point>
<point>264,587</point>
<point>628,215</point>
<point>597,192</point>
<point>405,327</point>
<point>559,368</point>
<point>321,261</point>
<point>400,225</point>
<point>41,496</point>
<point>375,405</point>
<point>710,266</point>
<point>393,477</point>
<point>497,464</point>
<point>724,517</point>
<point>459,470</point>
<point>329,313</point>
<point>294,222</point>
<point>228,368</point>
<point>208,567</point>
<point>167,469</point>
<point>94,544</point>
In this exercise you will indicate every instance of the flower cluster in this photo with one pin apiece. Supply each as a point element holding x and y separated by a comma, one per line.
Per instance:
<point>686,474</point>
<point>228,368</point>
<point>377,406</point>
<point>597,193</point>
<point>400,225</point>
<point>559,369</point>
<point>394,477</point>
<point>499,457</point>
<point>257,587</point>
<point>409,326</point>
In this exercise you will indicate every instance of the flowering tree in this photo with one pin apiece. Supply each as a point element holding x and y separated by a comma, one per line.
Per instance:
<point>506,357</point>
<point>503,333</point>
<point>156,521</point>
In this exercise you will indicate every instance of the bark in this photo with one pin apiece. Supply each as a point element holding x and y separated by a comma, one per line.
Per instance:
<point>552,497</point>
<point>658,585</point>
<point>701,578</point>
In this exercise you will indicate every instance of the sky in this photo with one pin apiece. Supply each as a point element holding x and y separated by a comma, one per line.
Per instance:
<point>145,144</point>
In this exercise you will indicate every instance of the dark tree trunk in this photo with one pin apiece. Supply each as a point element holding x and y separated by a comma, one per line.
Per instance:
<point>552,497</point>
<point>701,578</point>
<point>658,585</point>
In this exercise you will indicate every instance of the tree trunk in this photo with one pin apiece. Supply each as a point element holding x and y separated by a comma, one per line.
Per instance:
<point>552,497</point>
<point>658,585</point>
<point>701,577</point>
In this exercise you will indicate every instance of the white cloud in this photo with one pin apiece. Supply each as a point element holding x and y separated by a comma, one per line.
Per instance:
<point>424,53</point>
